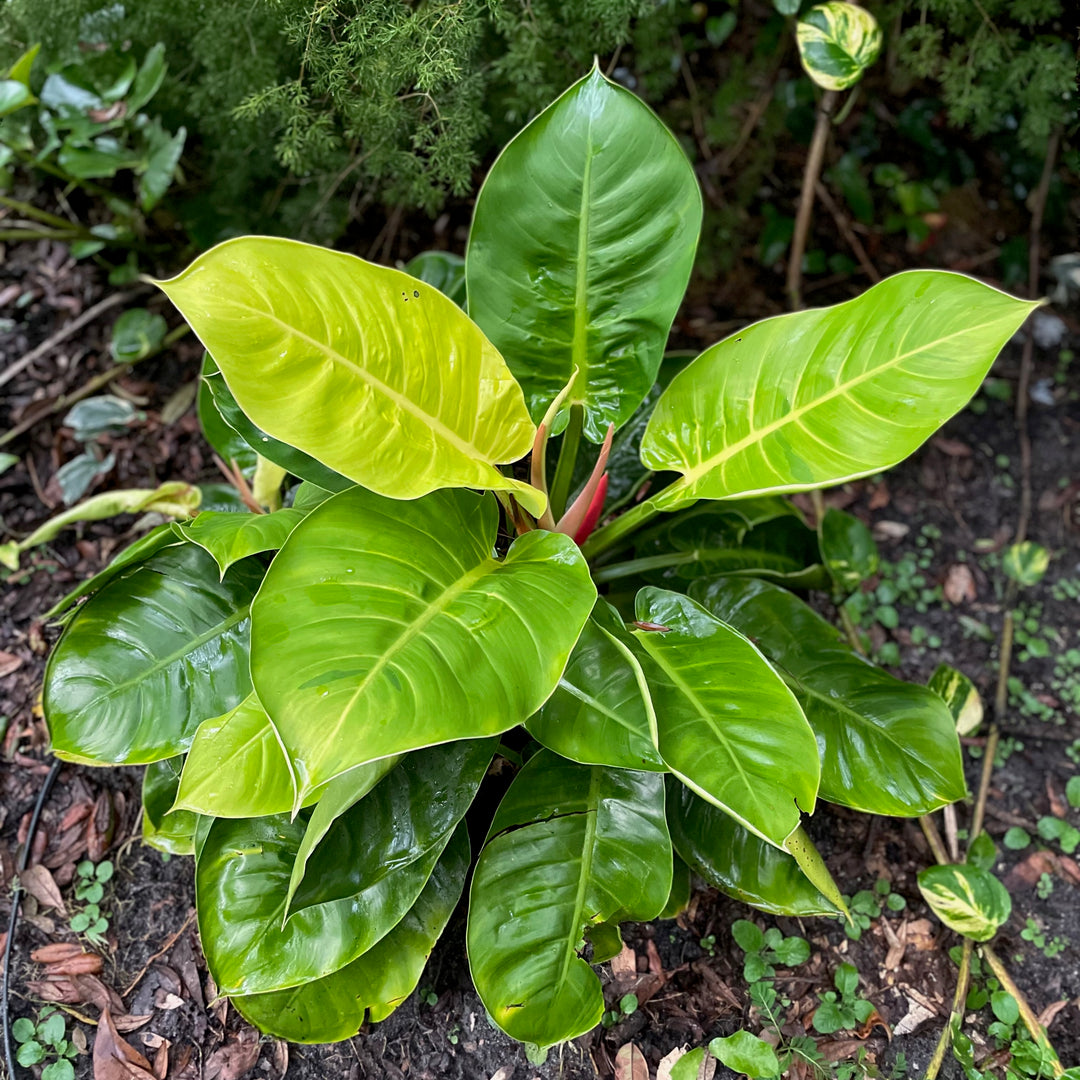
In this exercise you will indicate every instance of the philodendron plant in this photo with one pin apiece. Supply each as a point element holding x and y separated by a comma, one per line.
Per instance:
<point>408,672</point>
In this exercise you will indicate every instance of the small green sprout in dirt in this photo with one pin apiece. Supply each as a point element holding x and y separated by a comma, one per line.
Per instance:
<point>1053,828</point>
<point>842,1010</point>
<point>628,1005</point>
<point>1016,838</point>
<point>708,944</point>
<point>867,905</point>
<point>1051,947</point>
<point>1025,1057</point>
<point>765,949</point>
<point>1044,887</point>
<point>44,1040</point>
<point>90,882</point>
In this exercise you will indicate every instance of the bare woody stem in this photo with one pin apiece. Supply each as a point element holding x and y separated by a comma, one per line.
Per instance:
<point>806,200</point>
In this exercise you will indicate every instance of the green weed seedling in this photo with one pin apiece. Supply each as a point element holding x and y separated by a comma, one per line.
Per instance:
<point>628,1005</point>
<point>766,949</point>
<point>44,1040</point>
<point>843,1009</point>
<point>90,881</point>
<point>1051,947</point>
<point>867,905</point>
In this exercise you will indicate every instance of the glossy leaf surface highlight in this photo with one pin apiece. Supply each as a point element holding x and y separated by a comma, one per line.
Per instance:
<point>966,899</point>
<point>600,713</point>
<point>148,658</point>
<point>580,250</point>
<point>736,861</point>
<point>887,747</point>
<point>370,371</point>
<point>725,722</point>
<point>242,872</point>
<point>377,981</point>
<point>387,626</point>
<point>410,811</point>
<point>823,396</point>
<point>571,846</point>
<point>171,833</point>
<point>231,537</point>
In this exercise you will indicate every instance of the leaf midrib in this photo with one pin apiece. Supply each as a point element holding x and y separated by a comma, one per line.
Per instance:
<point>579,345</point>
<point>189,646</point>
<point>696,472</point>
<point>398,399</point>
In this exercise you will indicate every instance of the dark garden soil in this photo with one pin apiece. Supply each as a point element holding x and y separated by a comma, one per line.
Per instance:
<point>953,506</point>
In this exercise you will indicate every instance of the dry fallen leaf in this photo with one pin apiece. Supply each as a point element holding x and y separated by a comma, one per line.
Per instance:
<point>235,1059</point>
<point>41,885</point>
<point>630,1064</point>
<point>706,1071</point>
<point>959,584</point>
<point>57,952</point>
<point>115,1059</point>
<point>917,1015</point>
<point>280,1057</point>
<point>625,963</point>
<point>167,1001</point>
<point>9,663</point>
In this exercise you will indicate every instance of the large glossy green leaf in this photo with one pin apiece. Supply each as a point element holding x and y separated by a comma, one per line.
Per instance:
<point>726,724</point>
<point>386,626</point>
<point>711,539</point>
<point>235,767</point>
<point>288,457</point>
<point>410,811</point>
<point>224,440</point>
<point>242,873</point>
<point>372,372</point>
<point>736,861</point>
<point>138,551</point>
<point>580,250</point>
<point>231,537</point>
<point>600,713</point>
<point>334,799</point>
<point>158,650</point>
<point>376,982</point>
<point>171,833</point>
<point>887,747</point>
<point>571,847</point>
<point>819,397</point>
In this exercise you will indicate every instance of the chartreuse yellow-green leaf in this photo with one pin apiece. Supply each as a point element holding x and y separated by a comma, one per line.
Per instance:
<point>386,626</point>
<point>580,251</point>
<point>572,847</point>
<point>374,373</point>
<point>823,396</point>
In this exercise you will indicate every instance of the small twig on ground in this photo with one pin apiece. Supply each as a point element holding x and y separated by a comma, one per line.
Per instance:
<point>99,381</point>
<point>806,200</point>
<point>959,999</point>
<point>172,940</point>
<point>933,838</point>
<point>61,335</point>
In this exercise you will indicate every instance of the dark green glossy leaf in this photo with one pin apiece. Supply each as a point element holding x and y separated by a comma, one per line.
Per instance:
<point>334,800</point>
<point>136,334</point>
<point>887,747</point>
<point>725,722</point>
<point>242,876</point>
<point>376,982</point>
<point>152,655</point>
<point>138,551</point>
<point>444,270</point>
<point>386,626</point>
<point>735,861</point>
<point>681,883</point>
<point>295,461</point>
<point>599,713</point>
<point>714,538</point>
<point>847,549</point>
<point>230,537</point>
<point>580,250</point>
<point>571,846</point>
<point>172,833</point>
<point>224,440</point>
<point>410,811</point>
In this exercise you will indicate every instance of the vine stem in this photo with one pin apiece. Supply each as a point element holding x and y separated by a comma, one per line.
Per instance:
<point>959,998</point>
<point>617,533</point>
<point>814,162</point>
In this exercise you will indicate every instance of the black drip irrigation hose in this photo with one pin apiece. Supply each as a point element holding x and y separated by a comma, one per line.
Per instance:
<point>13,921</point>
